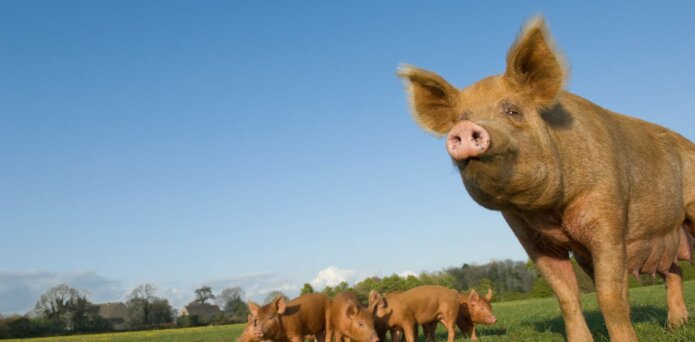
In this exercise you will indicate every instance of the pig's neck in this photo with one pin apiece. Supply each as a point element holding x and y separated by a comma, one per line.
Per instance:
<point>466,314</point>
<point>521,187</point>
<point>280,333</point>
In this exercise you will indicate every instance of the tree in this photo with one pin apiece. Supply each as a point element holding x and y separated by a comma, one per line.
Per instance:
<point>307,289</point>
<point>65,308</point>
<point>146,309</point>
<point>204,294</point>
<point>160,312</point>
<point>230,299</point>
<point>342,287</point>
<point>55,303</point>
<point>329,292</point>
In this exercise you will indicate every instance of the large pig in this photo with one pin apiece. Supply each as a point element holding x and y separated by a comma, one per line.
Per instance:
<point>473,310</point>
<point>569,176</point>
<point>289,321</point>
<point>350,320</point>
<point>420,305</point>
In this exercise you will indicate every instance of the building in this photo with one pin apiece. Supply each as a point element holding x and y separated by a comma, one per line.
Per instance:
<point>115,313</point>
<point>205,313</point>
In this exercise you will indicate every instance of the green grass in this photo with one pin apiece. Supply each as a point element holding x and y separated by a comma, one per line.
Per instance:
<point>541,320</point>
<point>525,320</point>
<point>219,333</point>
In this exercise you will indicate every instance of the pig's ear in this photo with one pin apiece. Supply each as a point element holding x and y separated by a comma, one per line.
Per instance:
<point>375,299</point>
<point>351,310</point>
<point>473,297</point>
<point>488,296</point>
<point>280,304</point>
<point>432,99</point>
<point>534,65</point>
<point>253,308</point>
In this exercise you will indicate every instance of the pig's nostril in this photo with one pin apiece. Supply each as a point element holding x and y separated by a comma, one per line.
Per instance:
<point>476,135</point>
<point>454,141</point>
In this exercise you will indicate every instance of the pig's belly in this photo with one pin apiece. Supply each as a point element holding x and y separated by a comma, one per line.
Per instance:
<point>655,253</point>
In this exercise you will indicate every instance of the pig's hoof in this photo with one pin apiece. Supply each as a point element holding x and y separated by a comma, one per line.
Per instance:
<point>675,321</point>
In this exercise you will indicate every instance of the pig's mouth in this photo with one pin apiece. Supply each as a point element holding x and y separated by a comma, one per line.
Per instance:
<point>481,159</point>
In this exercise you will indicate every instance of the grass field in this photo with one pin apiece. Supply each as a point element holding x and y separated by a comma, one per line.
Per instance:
<point>526,320</point>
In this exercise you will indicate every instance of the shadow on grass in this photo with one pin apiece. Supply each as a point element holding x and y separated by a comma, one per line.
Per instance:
<point>597,326</point>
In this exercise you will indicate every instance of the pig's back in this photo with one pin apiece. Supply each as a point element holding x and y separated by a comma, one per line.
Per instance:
<point>311,314</point>
<point>427,301</point>
<point>602,146</point>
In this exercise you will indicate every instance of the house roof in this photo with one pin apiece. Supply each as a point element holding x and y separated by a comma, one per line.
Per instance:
<point>113,310</point>
<point>203,310</point>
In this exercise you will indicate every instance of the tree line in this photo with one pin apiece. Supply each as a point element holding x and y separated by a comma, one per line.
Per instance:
<point>508,279</point>
<point>64,310</point>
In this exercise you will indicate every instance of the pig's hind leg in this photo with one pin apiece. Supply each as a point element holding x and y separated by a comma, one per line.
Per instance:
<point>428,329</point>
<point>677,312</point>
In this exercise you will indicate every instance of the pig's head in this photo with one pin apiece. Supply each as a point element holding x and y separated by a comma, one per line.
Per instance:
<point>360,323</point>
<point>251,333</point>
<point>497,130</point>
<point>379,305</point>
<point>479,307</point>
<point>264,321</point>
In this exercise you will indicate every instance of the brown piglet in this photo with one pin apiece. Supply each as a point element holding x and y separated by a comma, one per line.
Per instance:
<point>419,305</point>
<point>350,320</point>
<point>474,309</point>
<point>289,321</point>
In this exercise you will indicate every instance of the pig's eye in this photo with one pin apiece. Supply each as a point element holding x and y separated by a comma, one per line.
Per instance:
<point>510,109</point>
<point>361,324</point>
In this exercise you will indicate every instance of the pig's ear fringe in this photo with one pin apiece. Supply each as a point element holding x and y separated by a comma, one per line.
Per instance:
<point>409,74</point>
<point>538,22</point>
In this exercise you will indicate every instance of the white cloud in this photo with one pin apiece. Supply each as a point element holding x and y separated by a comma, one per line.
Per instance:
<point>332,276</point>
<point>406,274</point>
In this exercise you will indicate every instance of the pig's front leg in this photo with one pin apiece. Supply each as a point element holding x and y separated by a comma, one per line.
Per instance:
<point>396,335</point>
<point>557,270</point>
<point>610,276</point>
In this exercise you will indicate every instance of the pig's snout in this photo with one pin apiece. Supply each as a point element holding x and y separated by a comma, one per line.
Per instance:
<point>374,339</point>
<point>467,140</point>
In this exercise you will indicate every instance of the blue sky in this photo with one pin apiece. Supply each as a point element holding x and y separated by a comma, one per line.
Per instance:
<point>268,144</point>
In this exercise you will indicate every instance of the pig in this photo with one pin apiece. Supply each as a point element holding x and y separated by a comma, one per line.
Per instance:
<point>381,326</point>
<point>419,305</point>
<point>473,310</point>
<point>350,320</point>
<point>307,316</point>
<point>568,176</point>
